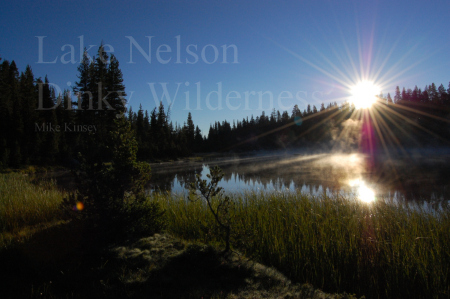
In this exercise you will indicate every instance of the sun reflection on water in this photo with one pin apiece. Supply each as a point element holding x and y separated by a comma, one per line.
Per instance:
<point>364,194</point>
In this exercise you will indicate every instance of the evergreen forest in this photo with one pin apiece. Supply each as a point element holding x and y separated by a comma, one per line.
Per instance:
<point>32,133</point>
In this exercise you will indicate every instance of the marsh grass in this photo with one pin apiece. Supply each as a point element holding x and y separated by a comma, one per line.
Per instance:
<point>380,250</point>
<point>337,244</point>
<point>26,203</point>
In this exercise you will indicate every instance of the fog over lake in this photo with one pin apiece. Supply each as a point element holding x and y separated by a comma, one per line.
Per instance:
<point>412,175</point>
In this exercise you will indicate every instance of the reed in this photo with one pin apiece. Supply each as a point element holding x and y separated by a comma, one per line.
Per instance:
<point>380,250</point>
<point>335,243</point>
<point>23,203</point>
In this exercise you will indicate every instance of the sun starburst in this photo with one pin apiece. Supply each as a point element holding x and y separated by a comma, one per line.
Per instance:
<point>364,94</point>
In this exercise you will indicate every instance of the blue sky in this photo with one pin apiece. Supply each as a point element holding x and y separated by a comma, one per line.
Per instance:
<point>298,52</point>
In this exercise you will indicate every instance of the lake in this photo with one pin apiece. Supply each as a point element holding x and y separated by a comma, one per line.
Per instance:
<point>410,175</point>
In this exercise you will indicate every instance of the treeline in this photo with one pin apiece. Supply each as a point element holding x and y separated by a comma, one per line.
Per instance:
<point>416,117</point>
<point>19,94</point>
<point>413,118</point>
<point>37,126</point>
<point>279,130</point>
<point>158,138</point>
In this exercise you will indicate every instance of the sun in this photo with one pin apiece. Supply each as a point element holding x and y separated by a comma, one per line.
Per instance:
<point>364,94</point>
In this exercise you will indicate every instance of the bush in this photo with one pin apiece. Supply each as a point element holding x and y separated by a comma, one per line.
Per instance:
<point>210,192</point>
<point>114,194</point>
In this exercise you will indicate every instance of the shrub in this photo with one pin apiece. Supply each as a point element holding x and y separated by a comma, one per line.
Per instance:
<point>114,194</point>
<point>219,205</point>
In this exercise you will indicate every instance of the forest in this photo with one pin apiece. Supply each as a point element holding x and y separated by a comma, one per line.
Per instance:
<point>32,133</point>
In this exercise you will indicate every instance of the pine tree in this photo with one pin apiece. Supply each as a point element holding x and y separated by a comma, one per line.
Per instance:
<point>190,130</point>
<point>296,112</point>
<point>442,94</point>
<point>48,149</point>
<point>140,133</point>
<point>285,117</point>
<point>433,94</point>
<point>82,88</point>
<point>115,88</point>
<point>115,194</point>
<point>162,132</point>
<point>389,99</point>
<point>17,136</point>
<point>28,98</point>
<point>322,107</point>
<point>198,139</point>
<point>6,104</point>
<point>101,97</point>
<point>397,96</point>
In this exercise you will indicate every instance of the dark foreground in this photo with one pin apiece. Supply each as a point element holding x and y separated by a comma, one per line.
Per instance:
<point>72,261</point>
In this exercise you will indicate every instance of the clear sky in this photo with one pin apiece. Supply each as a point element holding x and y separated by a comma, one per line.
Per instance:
<point>238,53</point>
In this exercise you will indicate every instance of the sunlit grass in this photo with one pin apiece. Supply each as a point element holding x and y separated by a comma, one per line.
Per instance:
<point>338,244</point>
<point>23,203</point>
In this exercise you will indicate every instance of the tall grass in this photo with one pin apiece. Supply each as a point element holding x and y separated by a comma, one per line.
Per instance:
<point>340,245</point>
<point>23,203</point>
<point>337,244</point>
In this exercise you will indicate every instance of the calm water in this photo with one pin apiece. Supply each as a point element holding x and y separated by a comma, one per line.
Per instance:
<point>411,176</point>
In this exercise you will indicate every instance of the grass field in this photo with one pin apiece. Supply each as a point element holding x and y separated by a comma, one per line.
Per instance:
<point>377,250</point>
<point>24,203</point>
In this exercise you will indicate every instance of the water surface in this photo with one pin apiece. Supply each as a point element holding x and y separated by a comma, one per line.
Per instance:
<point>413,176</point>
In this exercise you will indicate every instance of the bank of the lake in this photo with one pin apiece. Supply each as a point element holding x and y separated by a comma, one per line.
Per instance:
<point>46,255</point>
<point>379,250</point>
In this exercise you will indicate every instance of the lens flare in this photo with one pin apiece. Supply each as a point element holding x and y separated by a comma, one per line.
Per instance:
<point>79,206</point>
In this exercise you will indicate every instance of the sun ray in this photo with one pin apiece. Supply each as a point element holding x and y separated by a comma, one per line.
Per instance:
<point>368,65</point>
<point>396,124</point>
<point>333,49</point>
<point>416,125</point>
<point>317,124</point>
<point>394,68</point>
<point>285,126</point>
<point>381,123</point>
<point>356,114</point>
<point>383,142</point>
<point>423,113</point>
<point>387,129</point>
<point>342,74</point>
<point>328,74</point>
<point>369,58</point>
<point>360,55</point>
<point>366,120</point>
<point>385,61</point>
<point>347,50</point>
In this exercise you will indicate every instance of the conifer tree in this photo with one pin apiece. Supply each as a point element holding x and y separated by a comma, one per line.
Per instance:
<point>397,96</point>
<point>190,130</point>
<point>101,100</point>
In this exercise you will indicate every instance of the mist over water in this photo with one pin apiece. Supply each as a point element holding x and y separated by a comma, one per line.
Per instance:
<point>412,175</point>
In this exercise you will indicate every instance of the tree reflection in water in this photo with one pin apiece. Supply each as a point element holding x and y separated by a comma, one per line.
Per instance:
<point>410,178</point>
